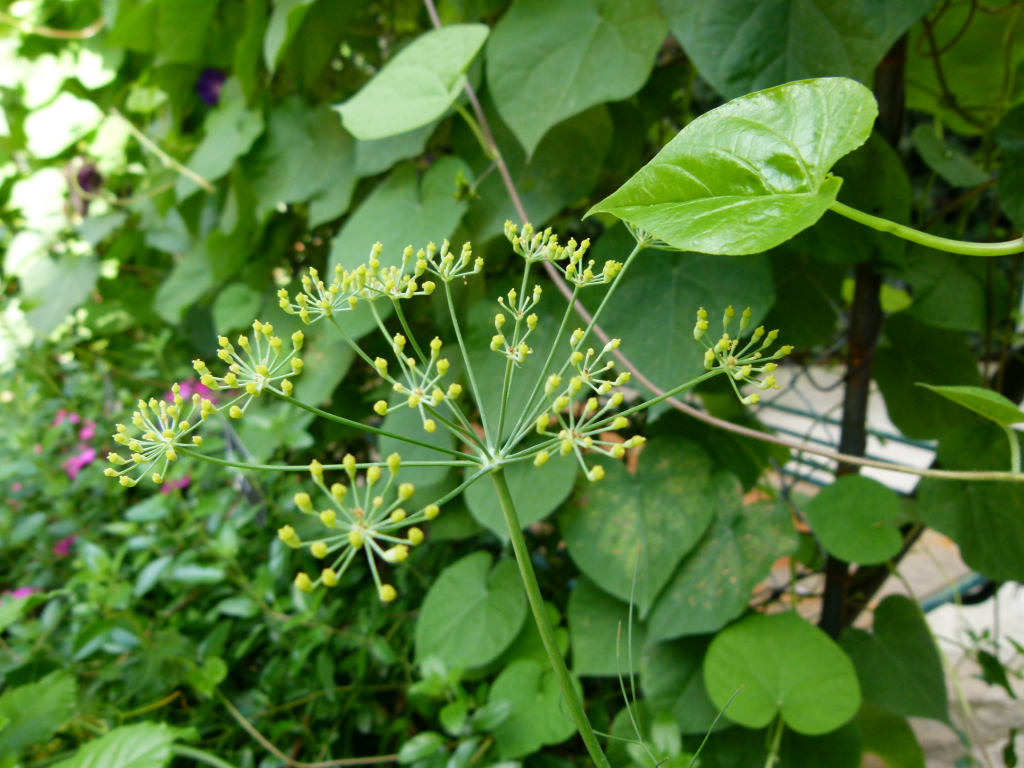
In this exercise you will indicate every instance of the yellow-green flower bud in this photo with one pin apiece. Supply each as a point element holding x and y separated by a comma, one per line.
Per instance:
<point>372,475</point>
<point>394,462</point>
<point>618,451</point>
<point>109,472</point>
<point>235,412</point>
<point>442,366</point>
<point>303,502</point>
<point>414,400</point>
<point>286,387</point>
<point>541,459</point>
<point>318,550</point>
<point>397,554</point>
<point>561,402</point>
<point>355,538</point>
<point>415,536</point>
<point>349,462</point>
<point>329,517</point>
<point>405,490</point>
<point>297,339</point>
<point>381,407</point>
<point>287,534</point>
<point>329,577</point>
<point>621,422</point>
<point>197,440</point>
<point>296,364</point>
<point>566,447</point>
<point>387,593</point>
<point>316,469</point>
<point>430,426</point>
<point>542,423</point>
<point>127,481</point>
<point>303,582</point>
<point>397,516</point>
<point>431,511</point>
<point>596,473</point>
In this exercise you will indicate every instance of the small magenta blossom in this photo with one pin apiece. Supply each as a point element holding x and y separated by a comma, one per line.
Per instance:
<point>88,431</point>
<point>78,462</point>
<point>64,415</point>
<point>190,387</point>
<point>63,547</point>
<point>176,485</point>
<point>21,592</point>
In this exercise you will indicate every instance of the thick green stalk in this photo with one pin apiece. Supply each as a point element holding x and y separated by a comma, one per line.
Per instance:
<point>540,615</point>
<point>1011,434</point>
<point>923,238</point>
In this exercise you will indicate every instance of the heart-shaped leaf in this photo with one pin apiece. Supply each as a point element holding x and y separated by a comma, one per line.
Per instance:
<point>989,404</point>
<point>713,585</point>
<point>538,717</point>
<point>472,612</point>
<point>663,509</point>
<point>592,51</point>
<point>854,519</point>
<point>536,492</point>
<point>982,518</point>
<point>898,666</point>
<point>785,665</point>
<point>417,86</point>
<point>672,678</point>
<point>752,173</point>
<point>599,626</point>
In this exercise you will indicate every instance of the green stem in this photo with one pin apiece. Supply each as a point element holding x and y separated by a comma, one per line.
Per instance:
<point>1011,434</point>
<point>773,754</point>
<point>408,331</point>
<point>199,756</point>
<point>611,290</point>
<point>305,467</point>
<point>469,368</point>
<point>654,401</point>
<point>922,238</point>
<point>373,430</point>
<point>540,615</point>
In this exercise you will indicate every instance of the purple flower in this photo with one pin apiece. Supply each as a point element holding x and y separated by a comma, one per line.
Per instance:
<point>78,462</point>
<point>88,432</point>
<point>89,179</point>
<point>63,547</point>
<point>190,387</point>
<point>23,592</point>
<point>209,85</point>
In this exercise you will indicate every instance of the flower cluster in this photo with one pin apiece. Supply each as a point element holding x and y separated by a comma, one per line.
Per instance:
<point>366,519</point>
<point>543,246</point>
<point>420,389</point>
<point>517,349</point>
<point>740,365</point>
<point>257,368</point>
<point>582,408</point>
<point>164,430</point>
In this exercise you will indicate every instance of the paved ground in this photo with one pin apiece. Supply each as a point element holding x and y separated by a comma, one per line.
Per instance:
<point>808,406</point>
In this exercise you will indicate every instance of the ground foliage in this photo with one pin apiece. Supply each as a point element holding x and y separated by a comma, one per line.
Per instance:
<point>309,129</point>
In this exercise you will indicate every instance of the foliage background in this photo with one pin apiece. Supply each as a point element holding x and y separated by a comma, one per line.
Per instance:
<point>118,269</point>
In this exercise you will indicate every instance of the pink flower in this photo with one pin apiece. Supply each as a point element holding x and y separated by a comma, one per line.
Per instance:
<point>23,592</point>
<point>59,418</point>
<point>191,387</point>
<point>63,547</point>
<point>180,484</point>
<point>74,418</point>
<point>16,487</point>
<point>88,432</point>
<point>38,448</point>
<point>77,463</point>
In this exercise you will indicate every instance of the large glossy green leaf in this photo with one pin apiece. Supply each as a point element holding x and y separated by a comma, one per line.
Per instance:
<point>989,404</point>
<point>898,666</point>
<point>659,294</point>
<point>752,173</point>
<point>548,60</point>
<point>472,612</point>
<point>538,716</point>
<point>32,712</point>
<point>536,491</point>
<point>968,90</point>
<point>982,518</point>
<point>855,519</point>
<point>143,745</point>
<point>713,585</point>
<point>417,86</point>
<point>672,679</point>
<point>785,665</point>
<point>744,45</point>
<point>918,353</point>
<point>658,514</point>
<point>599,627</point>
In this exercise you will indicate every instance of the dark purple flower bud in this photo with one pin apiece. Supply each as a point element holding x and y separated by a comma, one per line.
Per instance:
<point>209,85</point>
<point>89,179</point>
